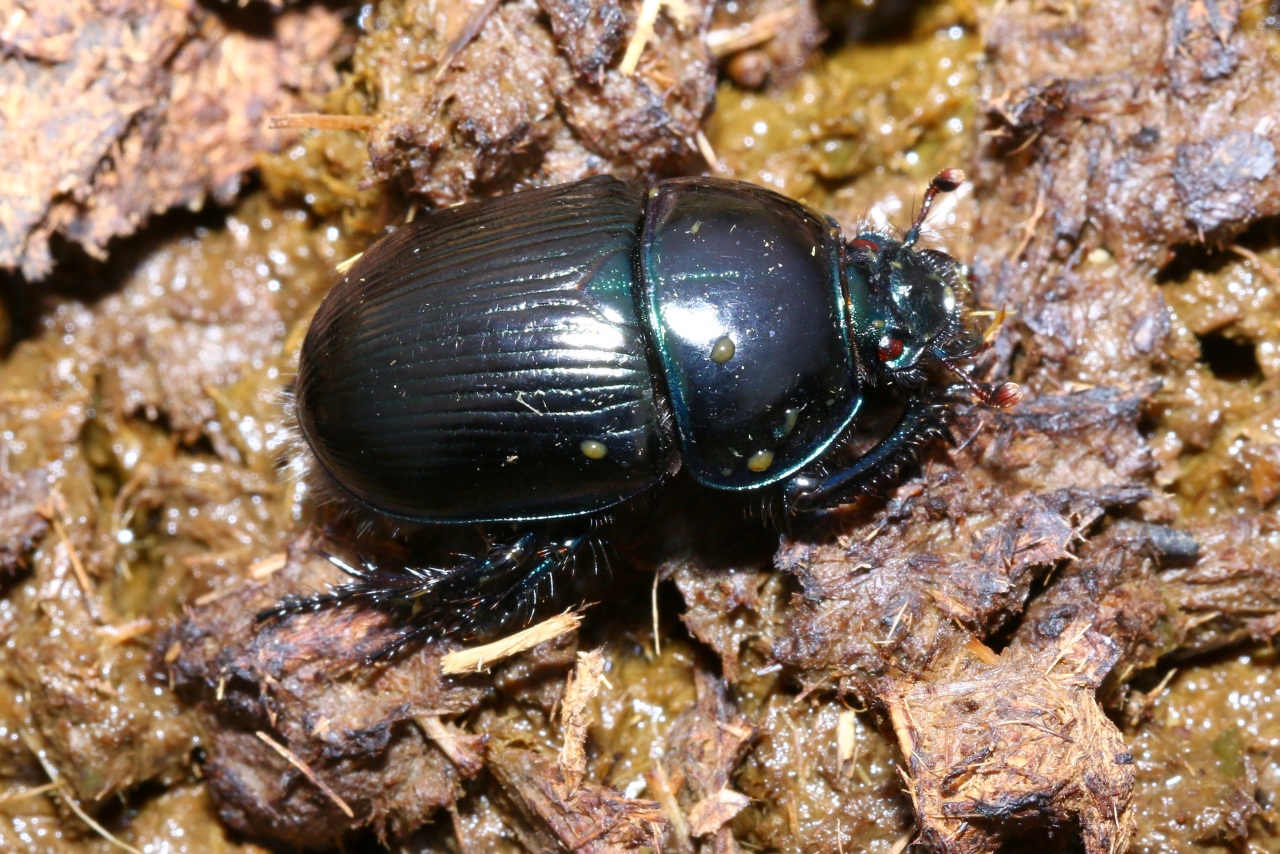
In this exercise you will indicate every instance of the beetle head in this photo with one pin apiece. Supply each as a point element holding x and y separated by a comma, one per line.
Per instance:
<point>913,310</point>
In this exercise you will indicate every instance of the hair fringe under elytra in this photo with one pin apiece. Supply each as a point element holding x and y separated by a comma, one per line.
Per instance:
<point>301,469</point>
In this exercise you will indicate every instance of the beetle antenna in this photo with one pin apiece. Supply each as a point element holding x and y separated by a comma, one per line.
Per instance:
<point>1003,396</point>
<point>944,182</point>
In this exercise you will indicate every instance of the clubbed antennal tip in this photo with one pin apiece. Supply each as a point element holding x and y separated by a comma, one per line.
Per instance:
<point>1003,396</point>
<point>1006,396</point>
<point>948,180</point>
<point>944,182</point>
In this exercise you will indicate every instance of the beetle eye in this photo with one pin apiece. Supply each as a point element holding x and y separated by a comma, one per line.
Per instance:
<point>890,348</point>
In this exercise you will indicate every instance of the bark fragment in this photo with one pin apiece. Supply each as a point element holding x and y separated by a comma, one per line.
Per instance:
<point>581,687</point>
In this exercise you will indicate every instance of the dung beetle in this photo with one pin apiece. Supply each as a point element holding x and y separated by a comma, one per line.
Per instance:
<point>540,358</point>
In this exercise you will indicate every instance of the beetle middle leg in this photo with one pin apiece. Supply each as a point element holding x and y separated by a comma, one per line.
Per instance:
<point>919,423</point>
<point>502,585</point>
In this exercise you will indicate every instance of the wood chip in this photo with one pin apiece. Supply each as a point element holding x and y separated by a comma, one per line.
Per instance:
<point>463,749</point>
<point>479,658</point>
<point>268,566</point>
<point>846,739</point>
<point>120,633</point>
<point>730,40</point>
<point>344,267</point>
<point>712,813</point>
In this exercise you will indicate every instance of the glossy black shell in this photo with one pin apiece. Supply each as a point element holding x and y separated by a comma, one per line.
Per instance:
<point>456,372</point>
<point>554,352</point>
<point>730,264</point>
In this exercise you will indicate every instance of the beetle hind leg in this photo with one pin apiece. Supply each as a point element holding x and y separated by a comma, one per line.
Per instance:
<point>503,585</point>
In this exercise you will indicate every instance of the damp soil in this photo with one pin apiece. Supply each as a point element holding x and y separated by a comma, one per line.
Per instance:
<point>1054,632</point>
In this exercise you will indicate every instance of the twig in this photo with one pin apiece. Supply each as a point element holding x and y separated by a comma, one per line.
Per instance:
<point>757,31</point>
<point>11,796</point>
<point>64,792</point>
<point>1267,272</point>
<point>1029,230</point>
<point>653,602</point>
<point>644,29</point>
<point>321,121</point>
<point>708,153</point>
<point>296,762</point>
<point>82,577</point>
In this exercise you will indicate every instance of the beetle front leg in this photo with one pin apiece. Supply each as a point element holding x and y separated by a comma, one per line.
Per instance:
<point>918,424</point>
<point>464,600</point>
